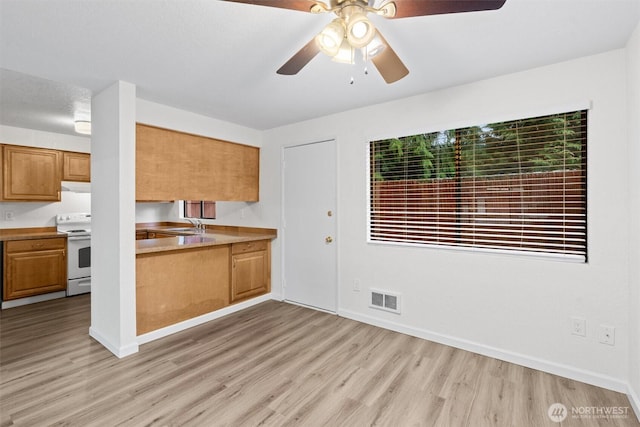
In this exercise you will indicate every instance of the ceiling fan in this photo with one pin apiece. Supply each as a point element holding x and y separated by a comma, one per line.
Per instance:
<point>352,30</point>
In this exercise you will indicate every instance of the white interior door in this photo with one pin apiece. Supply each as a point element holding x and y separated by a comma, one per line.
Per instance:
<point>309,225</point>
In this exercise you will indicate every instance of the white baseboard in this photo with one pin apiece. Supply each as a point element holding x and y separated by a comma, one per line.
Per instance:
<point>32,300</point>
<point>566,371</point>
<point>118,351</point>
<point>163,332</point>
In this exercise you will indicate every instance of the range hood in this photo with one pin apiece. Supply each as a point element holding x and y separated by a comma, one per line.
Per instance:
<point>76,187</point>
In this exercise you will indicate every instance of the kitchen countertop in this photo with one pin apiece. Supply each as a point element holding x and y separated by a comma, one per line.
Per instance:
<point>29,233</point>
<point>214,235</point>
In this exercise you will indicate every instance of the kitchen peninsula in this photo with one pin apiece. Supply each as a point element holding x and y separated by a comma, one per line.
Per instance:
<point>194,273</point>
<point>183,272</point>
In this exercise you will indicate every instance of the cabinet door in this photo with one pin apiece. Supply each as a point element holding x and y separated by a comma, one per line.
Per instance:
<point>76,166</point>
<point>33,273</point>
<point>249,274</point>
<point>173,165</point>
<point>31,174</point>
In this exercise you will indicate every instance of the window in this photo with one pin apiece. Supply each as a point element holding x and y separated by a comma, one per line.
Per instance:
<point>510,186</point>
<point>199,209</point>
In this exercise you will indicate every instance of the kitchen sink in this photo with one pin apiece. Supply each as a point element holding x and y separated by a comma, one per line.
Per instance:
<point>184,230</point>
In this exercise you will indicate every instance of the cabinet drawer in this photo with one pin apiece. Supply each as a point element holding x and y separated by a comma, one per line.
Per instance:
<point>240,248</point>
<point>35,245</point>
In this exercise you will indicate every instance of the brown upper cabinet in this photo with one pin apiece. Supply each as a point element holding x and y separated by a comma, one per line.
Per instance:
<point>172,165</point>
<point>31,174</point>
<point>76,166</point>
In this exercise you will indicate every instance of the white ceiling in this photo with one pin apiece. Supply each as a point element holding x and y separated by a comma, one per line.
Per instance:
<point>219,59</point>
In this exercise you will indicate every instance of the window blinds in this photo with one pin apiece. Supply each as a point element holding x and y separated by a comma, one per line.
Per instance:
<point>517,186</point>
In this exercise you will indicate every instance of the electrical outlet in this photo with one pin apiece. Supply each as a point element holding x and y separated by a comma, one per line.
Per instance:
<point>9,215</point>
<point>607,335</point>
<point>356,285</point>
<point>579,326</point>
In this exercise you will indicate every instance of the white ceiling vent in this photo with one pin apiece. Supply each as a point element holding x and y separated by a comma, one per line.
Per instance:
<point>385,300</point>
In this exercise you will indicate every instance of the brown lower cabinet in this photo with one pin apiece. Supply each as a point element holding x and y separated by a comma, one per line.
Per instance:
<point>33,267</point>
<point>250,273</point>
<point>174,286</point>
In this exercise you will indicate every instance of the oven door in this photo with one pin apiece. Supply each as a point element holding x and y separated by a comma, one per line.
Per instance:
<point>79,257</point>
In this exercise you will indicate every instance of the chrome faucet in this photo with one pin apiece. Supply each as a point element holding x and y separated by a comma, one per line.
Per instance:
<point>200,227</point>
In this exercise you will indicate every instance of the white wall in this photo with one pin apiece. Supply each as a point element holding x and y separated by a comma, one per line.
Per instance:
<point>633,89</point>
<point>37,138</point>
<point>43,214</point>
<point>517,308</point>
<point>227,213</point>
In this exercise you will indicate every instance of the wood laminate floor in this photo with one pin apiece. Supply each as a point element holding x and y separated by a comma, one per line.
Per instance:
<point>274,364</point>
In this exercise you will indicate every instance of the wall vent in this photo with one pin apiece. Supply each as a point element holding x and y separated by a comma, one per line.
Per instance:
<point>385,300</point>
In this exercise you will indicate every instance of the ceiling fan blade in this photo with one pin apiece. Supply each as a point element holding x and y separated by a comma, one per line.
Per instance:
<point>408,8</point>
<point>300,59</point>
<point>388,63</point>
<point>302,5</point>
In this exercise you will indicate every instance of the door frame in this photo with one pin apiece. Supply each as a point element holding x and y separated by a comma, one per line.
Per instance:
<point>337,224</point>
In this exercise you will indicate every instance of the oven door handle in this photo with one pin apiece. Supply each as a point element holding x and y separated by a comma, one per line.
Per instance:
<point>76,238</point>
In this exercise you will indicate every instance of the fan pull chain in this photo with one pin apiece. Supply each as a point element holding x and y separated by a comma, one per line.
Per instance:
<point>365,68</point>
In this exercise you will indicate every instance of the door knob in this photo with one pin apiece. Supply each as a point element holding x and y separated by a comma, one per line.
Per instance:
<point>328,239</point>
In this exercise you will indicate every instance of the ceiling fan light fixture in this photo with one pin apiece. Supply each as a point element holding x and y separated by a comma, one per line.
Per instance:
<point>331,37</point>
<point>360,31</point>
<point>345,54</point>
<point>82,127</point>
<point>373,48</point>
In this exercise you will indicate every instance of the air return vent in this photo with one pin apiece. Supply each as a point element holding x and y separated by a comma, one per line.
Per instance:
<point>385,300</point>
